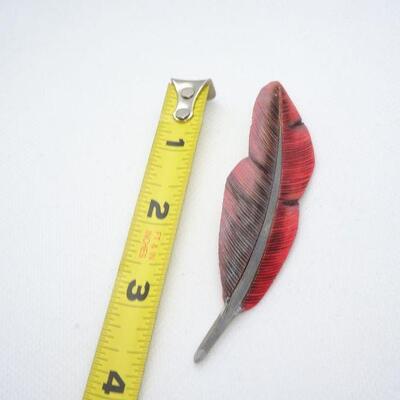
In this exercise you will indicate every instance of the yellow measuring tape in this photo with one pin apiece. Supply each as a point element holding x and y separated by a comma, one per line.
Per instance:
<point>121,353</point>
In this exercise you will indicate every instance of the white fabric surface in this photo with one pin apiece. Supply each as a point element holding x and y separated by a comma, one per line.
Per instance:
<point>81,88</point>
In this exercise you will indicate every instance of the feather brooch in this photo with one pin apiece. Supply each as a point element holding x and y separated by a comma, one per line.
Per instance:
<point>260,208</point>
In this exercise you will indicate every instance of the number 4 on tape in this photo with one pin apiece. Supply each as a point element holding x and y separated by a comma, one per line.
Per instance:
<point>114,383</point>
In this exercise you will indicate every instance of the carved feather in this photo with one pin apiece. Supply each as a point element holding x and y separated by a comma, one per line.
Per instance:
<point>260,207</point>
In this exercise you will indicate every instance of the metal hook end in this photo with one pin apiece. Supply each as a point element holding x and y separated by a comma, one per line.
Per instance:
<point>188,92</point>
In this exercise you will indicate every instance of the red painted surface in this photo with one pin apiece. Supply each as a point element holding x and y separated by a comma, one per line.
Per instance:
<point>248,190</point>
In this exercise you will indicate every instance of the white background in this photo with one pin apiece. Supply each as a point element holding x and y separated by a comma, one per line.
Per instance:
<point>81,88</point>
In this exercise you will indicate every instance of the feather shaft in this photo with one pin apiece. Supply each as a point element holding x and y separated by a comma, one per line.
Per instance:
<point>233,304</point>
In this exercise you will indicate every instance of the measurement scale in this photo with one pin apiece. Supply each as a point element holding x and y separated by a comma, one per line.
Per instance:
<point>121,353</point>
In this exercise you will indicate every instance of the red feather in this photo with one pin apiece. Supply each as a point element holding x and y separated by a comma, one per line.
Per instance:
<point>260,208</point>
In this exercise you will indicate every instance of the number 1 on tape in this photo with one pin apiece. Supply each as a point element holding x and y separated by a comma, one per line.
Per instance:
<point>121,353</point>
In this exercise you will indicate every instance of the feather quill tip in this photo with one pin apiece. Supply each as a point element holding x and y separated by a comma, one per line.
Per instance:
<point>199,355</point>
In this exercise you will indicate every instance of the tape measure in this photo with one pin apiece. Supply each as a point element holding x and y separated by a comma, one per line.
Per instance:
<point>121,353</point>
